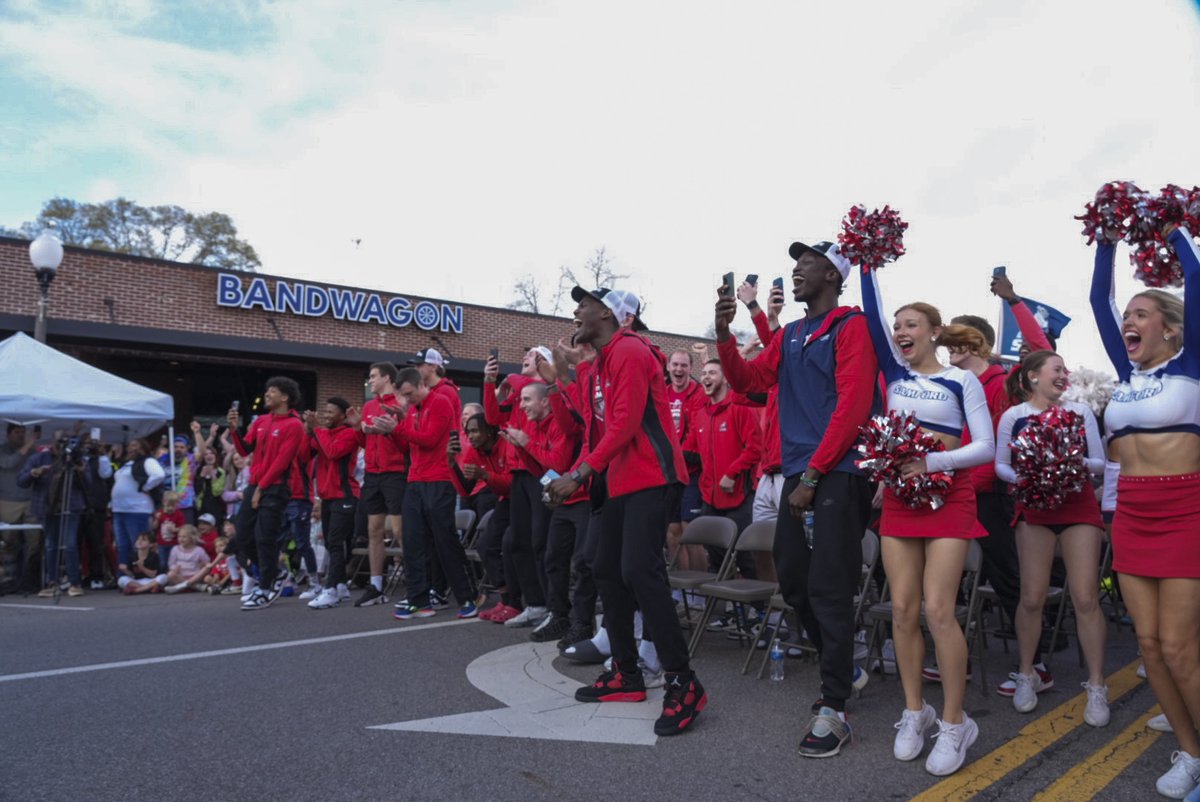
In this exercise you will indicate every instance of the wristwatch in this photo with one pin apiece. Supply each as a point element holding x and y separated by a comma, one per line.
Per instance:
<point>575,477</point>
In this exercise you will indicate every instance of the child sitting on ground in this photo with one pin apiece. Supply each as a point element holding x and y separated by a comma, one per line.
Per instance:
<point>141,576</point>
<point>218,574</point>
<point>167,522</point>
<point>189,563</point>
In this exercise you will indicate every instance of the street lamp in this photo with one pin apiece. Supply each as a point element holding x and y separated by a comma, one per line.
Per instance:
<point>46,254</point>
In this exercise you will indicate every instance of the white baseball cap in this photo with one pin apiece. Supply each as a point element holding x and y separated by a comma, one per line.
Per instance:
<point>829,250</point>
<point>428,356</point>
<point>623,303</point>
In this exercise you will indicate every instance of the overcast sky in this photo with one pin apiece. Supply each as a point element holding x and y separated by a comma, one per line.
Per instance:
<point>468,143</point>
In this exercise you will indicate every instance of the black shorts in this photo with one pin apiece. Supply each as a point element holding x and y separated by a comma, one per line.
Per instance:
<point>383,493</point>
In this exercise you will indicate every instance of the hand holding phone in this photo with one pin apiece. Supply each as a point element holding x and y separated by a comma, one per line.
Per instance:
<point>752,279</point>
<point>1000,270</point>
<point>777,283</point>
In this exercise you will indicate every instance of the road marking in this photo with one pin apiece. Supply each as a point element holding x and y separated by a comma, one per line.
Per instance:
<point>1030,741</point>
<point>539,703</point>
<point>260,647</point>
<point>1090,776</point>
<point>48,607</point>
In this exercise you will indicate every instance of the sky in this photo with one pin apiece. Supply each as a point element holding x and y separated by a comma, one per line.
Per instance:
<point>444,149</point>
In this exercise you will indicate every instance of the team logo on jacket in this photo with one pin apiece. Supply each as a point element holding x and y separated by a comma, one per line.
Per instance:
<point>722,427</point>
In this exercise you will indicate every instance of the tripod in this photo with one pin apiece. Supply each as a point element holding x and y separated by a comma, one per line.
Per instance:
<point>65,461</point>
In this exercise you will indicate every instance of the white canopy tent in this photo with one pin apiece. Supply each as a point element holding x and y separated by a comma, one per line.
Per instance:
<point>42,386</point>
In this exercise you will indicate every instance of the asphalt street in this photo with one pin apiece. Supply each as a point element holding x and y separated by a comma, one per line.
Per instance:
<point>186,697</point>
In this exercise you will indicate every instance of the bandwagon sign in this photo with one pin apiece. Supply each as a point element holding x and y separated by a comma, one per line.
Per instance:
<point>312,300</point>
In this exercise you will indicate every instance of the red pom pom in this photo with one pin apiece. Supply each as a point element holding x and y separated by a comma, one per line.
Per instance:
<point>1109,217</point>
<point>1047,457</point>
<point>889,442</point>
<point>872,239</point>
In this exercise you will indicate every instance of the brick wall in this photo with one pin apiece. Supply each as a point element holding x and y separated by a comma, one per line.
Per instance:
<point>179,297</point>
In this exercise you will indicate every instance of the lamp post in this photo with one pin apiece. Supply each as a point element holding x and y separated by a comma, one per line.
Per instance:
<point>46,254</point>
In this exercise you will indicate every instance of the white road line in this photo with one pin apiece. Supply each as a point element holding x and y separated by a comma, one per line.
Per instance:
<point>48,607</point>
<point>261,647</point>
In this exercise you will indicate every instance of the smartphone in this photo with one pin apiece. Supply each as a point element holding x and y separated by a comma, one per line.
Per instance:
<point>777,283</point>
<point>494,354</point>
<point>727,285</point>
<point>1000,270</point>
<point>752,279</point>
<point>95,434</point>
<point>234,406</point>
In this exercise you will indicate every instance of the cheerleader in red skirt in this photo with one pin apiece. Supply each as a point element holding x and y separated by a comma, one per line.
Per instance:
<point>1039,383</point>
<point>1154,418</point>
<point>924,549</point>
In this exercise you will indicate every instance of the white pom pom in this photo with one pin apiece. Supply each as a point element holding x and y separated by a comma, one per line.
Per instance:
<point>1091,387</point>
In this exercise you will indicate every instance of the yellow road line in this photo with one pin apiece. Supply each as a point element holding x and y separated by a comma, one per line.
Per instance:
<point>1090,776</point>
<point>1032,739</point>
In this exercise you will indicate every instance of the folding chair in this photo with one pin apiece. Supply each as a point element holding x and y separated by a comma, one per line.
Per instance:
<point>707,530</point>
<point>967,614</point>
<point>759,536</point>
<point>464,522</point>
<point>471,546</point>
<point>870,551</point>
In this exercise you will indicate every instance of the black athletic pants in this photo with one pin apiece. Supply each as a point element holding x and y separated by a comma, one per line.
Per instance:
<point>819,583</point>
<point>429,525</point>
<point>631,574</point>
<point>337,519</point>
<point>258,531</point>
<point>1001,566</point>
<point>568,525</point>
<point>525,545</point>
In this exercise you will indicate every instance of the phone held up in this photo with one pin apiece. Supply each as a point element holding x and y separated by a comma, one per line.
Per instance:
<point>998,271</point>
<point>727,285</point>
<point>752,279</point>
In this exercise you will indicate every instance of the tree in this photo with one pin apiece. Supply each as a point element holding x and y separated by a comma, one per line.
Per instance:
<point>160,232</point>
<point>529,294</point>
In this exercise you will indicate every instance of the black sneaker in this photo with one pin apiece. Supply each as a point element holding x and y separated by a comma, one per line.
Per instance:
<point>371,596</point>
<point>280,580</point>
<point>683,700</point>
<point>553,628</point>
<point>437,601</point>
<point>613,686</point>
<point>827,732</point>
<point>578,632</point>
<point>259,601</point>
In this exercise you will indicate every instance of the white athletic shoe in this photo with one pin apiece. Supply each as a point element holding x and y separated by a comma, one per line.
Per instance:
<point>248,587</point>
<point>527,617</point>
<point>1159,723</point>
<point>910,740</point>
<point>950,750</point>
<point>1183,777</point>
<point>1025,695</point>
<point>343,592</point>
<point>314,590</point>
<point>178,587</point>
<point>1096,712</point>
<point>1141,670</point>
<point>328,597</point>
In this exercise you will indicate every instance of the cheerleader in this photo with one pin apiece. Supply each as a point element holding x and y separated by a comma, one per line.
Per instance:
<point>1039,383</point>
<point>1154,416</point>
<point>924,549</point>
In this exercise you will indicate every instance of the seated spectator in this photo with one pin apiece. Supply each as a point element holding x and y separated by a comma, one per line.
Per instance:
<point>218,579</point>
<point>206,529</point>
<point>189,563</point>
<point>141,574</point>
<point>167,523</point>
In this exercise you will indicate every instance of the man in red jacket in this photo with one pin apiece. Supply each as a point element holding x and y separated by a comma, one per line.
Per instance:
<point>336,445</point>
<point>386,476</point>
<point>685,396</point>
<point>646,477</point>
<point>432,365</point>
<point>274,439</point>
<point>726,441</point>
<point>429,498</point>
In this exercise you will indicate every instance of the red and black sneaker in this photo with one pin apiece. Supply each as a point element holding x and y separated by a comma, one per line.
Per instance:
<point>684,699</point>
<point>613,686</point>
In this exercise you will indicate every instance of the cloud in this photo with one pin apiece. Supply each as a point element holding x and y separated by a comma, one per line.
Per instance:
<point>466,144</point>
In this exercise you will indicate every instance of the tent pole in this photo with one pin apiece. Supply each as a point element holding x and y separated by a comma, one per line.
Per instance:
<point>171,453</point>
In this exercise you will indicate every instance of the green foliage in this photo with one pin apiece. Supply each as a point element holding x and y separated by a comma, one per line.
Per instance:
<point>160,232</point>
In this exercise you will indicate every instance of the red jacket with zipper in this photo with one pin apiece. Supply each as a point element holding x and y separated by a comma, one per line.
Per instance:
<point>728,439</point>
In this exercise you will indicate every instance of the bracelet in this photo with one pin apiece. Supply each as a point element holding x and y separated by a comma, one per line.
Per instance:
<point>1014,301</point>
<point>809,483</point>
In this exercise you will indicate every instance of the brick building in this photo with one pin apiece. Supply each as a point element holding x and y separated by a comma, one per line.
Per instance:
<point>207,336</point>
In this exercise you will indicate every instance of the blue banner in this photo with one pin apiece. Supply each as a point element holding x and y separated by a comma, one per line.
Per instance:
<point>1050,319</point>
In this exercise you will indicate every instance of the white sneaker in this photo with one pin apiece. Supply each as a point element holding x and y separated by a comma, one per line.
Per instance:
<point>1026,691</point>
<point>314,590</point>
<point>910,740</point>
<point>1141,670</point>
<point>328,597</point>
<point>1183,777</point>
<point>953,741</point>
<point>178,587</point>
<point>527,617</point>
<point>248,587</point>
<point>1096,712</point>
<point>861,678</point>
<point>1159,723</point>
<point>343,591</point>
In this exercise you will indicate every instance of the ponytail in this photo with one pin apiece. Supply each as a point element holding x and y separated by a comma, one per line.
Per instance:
<point>966,337</point>
<point>1017,385</point>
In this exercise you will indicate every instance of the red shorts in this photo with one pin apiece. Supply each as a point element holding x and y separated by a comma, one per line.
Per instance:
<point>1156,529</point>
<point>955,518</point>
<point>1078,508</point>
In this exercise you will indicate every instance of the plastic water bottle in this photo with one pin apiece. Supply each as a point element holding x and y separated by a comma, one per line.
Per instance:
<point>809,519</point>
<point>777,661</point>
